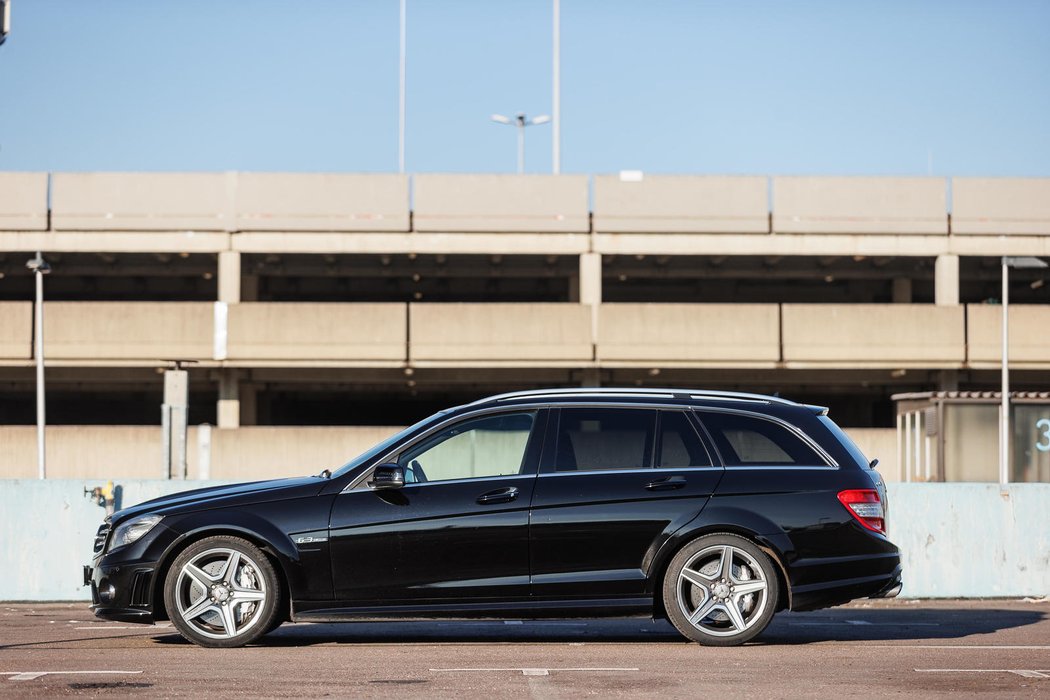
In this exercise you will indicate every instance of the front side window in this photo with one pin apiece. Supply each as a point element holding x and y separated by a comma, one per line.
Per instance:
<point>474,448</point>
<point>591,439</point>
<point>750,441</point>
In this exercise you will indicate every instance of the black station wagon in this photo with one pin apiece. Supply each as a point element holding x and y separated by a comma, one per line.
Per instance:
<point>713,510</point>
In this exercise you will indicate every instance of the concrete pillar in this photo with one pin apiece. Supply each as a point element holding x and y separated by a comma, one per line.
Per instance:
<point>590,287</point>
<point>590,377</point>
<point>249,395</point>
<point>249,287</point>
<point>230,277</point>
<point>948,380</point>
<point>590,280</point>
<point>946,280</point>
<point>228,410</point>
<point>901,290</point>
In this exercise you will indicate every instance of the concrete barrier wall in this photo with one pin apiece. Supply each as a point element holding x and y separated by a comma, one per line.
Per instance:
<point>343,202</point>
<point>849,334</point>
<point>898,205</point>
<point>23,201</point>
<point>500,332</point>
<point>321,202</point>
<point>880,444</point>
<point>1029,334</point>
<point>547,203</point>
<point>134,451</point>
<point>142,201</point>
<point>971,541</point>
<point>117,330</point>
<point>1001,205</point>
<point>16,330</point>
<point>730,333</point>
<point>681,204</point>
<point>317,331</point>
<point>957,540</point>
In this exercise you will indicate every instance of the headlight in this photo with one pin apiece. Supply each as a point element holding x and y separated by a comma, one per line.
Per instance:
<point>132,530</point>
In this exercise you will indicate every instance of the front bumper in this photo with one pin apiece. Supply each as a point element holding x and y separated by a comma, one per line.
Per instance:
<point>121,593</point>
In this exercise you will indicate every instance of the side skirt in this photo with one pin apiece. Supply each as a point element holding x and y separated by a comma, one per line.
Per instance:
<point>312,611</point>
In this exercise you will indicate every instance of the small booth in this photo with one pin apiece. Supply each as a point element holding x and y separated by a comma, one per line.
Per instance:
<point>954,436</point>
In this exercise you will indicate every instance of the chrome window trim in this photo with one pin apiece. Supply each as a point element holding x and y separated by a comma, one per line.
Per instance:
<point>501,477</point>
<point>385,458</point>
<point>632,470</point>
<point>795,430</point>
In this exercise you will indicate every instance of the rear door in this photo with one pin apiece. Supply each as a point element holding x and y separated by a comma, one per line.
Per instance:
<point>617,482</point>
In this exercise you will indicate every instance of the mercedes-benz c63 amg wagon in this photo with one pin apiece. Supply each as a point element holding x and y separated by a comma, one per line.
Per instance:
<point>713,510</point>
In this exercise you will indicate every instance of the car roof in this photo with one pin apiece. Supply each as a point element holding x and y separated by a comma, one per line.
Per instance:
<point>636,395</point>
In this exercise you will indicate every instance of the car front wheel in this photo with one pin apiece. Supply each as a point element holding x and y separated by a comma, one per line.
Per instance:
<point>222,592</point>
<point>720,590</point>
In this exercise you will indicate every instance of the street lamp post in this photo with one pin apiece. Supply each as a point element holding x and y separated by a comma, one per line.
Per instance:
<point>1004,410</point>
<point>39,267</point>
<point>520,121</point>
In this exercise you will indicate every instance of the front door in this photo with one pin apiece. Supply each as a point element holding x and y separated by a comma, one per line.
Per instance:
<point>457,530</point>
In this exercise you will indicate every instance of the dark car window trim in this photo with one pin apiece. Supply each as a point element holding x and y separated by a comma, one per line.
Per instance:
<point>830,462</point>
<point>549,464</point>
<point>701,436</point>
<point>537,432</point>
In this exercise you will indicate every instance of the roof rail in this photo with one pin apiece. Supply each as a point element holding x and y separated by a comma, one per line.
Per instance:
<point>637,392</point>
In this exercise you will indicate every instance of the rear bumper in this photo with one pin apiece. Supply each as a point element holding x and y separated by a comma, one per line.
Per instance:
<point>891,589</point>
<point>831,593</point>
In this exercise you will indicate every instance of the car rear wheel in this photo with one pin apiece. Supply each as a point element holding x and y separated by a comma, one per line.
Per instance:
<point>720,590</point>
<point>222,592</point>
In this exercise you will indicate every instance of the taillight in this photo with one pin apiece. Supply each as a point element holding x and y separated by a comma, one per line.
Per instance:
<point>865,506</point>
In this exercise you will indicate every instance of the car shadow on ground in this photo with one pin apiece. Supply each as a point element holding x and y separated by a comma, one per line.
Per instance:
<point>840,624</point>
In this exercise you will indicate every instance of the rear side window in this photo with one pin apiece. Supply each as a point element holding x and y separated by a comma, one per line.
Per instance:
<point>679,444</point>
<point>746,441</point>
<point>590,439</point>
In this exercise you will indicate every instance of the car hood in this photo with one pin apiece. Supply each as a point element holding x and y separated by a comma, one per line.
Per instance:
<point>214,496</point>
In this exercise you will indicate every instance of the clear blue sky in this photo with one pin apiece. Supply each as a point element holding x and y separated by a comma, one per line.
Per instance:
<point>828,87</point>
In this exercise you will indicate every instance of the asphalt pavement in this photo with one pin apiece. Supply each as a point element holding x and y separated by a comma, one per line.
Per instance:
<point>867,649</point>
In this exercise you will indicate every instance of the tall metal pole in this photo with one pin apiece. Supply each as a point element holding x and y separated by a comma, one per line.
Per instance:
<point>521,144</point>
<point>401,90</point>
<point>1004,417</point>
<point>556,96</point>
<point>39,268</point>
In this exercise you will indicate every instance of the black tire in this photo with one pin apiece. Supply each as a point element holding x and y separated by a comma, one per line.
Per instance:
<point>212,606</point>
<point>700,599</point>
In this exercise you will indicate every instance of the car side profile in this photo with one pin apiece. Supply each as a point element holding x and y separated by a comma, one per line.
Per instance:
<point>713,510</point>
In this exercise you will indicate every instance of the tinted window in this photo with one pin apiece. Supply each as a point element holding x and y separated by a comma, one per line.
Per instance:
<point>680,446</point>
<point>604,438</point>
<point>489,446</point>
<point>747,441</point>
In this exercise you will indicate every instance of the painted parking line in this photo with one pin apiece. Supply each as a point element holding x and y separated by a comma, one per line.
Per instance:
<point>33,675</point>
<point>1023,672</point>
<point>532,671</point>
<point>959,646</point>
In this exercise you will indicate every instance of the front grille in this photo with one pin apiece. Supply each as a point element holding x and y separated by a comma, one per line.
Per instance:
<point>100,538</point>
<point>140,588</point>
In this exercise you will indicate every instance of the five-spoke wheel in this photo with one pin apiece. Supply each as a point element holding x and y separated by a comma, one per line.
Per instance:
<point>720,590</point>
<point>222,592</point>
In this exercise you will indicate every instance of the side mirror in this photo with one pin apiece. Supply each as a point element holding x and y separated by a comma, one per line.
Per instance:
<point>387,476</point>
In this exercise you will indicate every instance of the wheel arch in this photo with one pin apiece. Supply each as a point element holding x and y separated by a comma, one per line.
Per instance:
<point>278,559</point>
<point>773,546</point>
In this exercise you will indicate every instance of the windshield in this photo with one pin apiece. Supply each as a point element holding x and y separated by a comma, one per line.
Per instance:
<point>374,452</point>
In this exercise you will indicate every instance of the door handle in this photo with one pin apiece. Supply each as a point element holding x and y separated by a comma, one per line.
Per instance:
<point>498,496</point>
<point>671,482</point>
